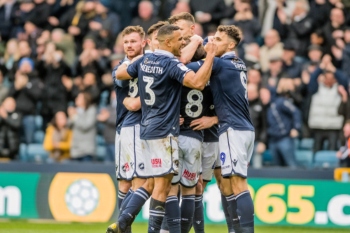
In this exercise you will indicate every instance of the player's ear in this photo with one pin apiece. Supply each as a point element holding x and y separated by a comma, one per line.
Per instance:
<point>143,44</point>
<point>167,42</point>
<point>148,42</point>
<point>192,27</point>
<point>231,45</point>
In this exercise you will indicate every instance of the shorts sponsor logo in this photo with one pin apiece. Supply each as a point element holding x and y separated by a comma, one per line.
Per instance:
<point>235,162</point>
<point>126,167</point>
<point>142,166</point>
<point>222,157</point>
<point>156,162</point>
<point>176,162</point>
<point>131,164</point>
<point>189,175</point>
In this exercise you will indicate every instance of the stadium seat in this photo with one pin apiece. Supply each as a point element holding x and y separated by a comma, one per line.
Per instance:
<point>23,156</point>
<point>38,122</point>
<point>304,158</point>
<point>267,157</point>
<point>39,136</point>
<point>36,153</point>
<point>326,159</point>
<point>306,144</point>
<point>101,153</point>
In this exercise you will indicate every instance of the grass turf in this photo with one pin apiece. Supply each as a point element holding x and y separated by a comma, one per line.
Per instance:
<point>42,227</point>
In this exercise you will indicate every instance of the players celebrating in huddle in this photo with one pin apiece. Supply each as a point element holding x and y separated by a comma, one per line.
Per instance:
<point>155,155</point>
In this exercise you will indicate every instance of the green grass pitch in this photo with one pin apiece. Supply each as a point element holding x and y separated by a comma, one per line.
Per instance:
<point>42,227</point>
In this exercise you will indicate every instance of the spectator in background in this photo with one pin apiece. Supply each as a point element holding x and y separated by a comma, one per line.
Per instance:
<point>3,89</point>
<point>291,67</point>
<point>76,21</point>
<point>245,20</point>
<point>7,13</point>
<point>181,6</point>
<point>272,76</point>
<point>258,116</point>
<point>108,117</point>
<point>334,29</point>
<point>344,152</point>
<point>300,28</point>
<point>319,12</point>
<point>11,56</point>
<point>324,119</point>
<point>341,52</point>
<point>26,90</point>
<point>284,124</point>
<point>82,120</point>
<point>272,48</point>
<point>65,43</point>
<point>251,56</point>
<point>58,138</point>
<point>145,19</point>
<point>55,95</point>
<point>10,123</point>
<point>209,12</point>
<point>254,76</point>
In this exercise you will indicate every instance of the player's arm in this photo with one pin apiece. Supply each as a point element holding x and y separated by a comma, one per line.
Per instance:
<point>200,79</point>
<point>132,104</point>
<point>204,122</point>
<point>128,69</point>
<point>188,52</point>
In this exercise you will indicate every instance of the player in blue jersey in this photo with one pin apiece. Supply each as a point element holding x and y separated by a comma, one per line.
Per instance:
<point>133,43</point>
<point>236,131</point>
<point>130,133</point>
<point>161,77</point>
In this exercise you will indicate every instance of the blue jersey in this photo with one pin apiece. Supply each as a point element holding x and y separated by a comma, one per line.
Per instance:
<point>121,89</point>
<point>133,117</point>
<point>229,87</point>
<point>211,134</point>
<point>194,105</point>
<point>160,76</point>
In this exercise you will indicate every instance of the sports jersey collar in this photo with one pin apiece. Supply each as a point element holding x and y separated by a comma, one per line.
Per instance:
<point>126,59</point>
<point>231,53</point>
<point>148,51</point>
<point>163,52</point>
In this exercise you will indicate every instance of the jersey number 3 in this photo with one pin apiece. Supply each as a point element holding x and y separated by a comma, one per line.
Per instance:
<point>149,81</point>
<point>244,83</point>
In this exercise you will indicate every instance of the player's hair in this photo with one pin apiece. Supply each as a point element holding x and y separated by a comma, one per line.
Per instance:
<point>232,31</point>
<point>130,29</point>
<point>182,16</point>
<point>156,26</point>
<point>166,30</point>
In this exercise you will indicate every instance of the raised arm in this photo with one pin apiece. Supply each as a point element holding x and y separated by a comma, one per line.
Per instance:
<point>200,79</point>
<point>121,73</point>
<point>188,51</point>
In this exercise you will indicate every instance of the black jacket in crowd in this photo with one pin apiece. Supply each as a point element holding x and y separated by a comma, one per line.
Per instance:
<point>9,134</point>
<point>258,115</point>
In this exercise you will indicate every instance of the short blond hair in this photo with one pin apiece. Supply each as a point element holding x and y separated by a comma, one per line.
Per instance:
<point>131,29</point>
<point>232,31</point>
<point>182,16</point>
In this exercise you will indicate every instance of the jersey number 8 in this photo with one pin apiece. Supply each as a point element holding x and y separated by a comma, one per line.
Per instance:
<point>133,88</point>
<point>244,83</point>
<point>194,102</point>
<point>149,81</point>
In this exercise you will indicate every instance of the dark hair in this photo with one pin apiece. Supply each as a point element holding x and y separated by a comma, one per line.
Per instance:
<point>232,31</point>
<point>167,30</point>
<point>181,16</point>
<point>156,26</point>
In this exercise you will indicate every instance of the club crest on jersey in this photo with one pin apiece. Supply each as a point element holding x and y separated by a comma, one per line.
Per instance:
<point>222,157</point>
<point>156,162</point>
<point>182,67</point>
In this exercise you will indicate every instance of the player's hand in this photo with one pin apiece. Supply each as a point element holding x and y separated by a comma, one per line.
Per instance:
<point>182,120</point>
<point>210,48</point>
<point>260,148</point>
<point>197,38</point>
<point>203,123</point>
<point>294,133</point>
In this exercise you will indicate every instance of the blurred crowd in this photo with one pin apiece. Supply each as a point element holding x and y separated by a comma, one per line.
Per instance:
<point>56,58</point>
